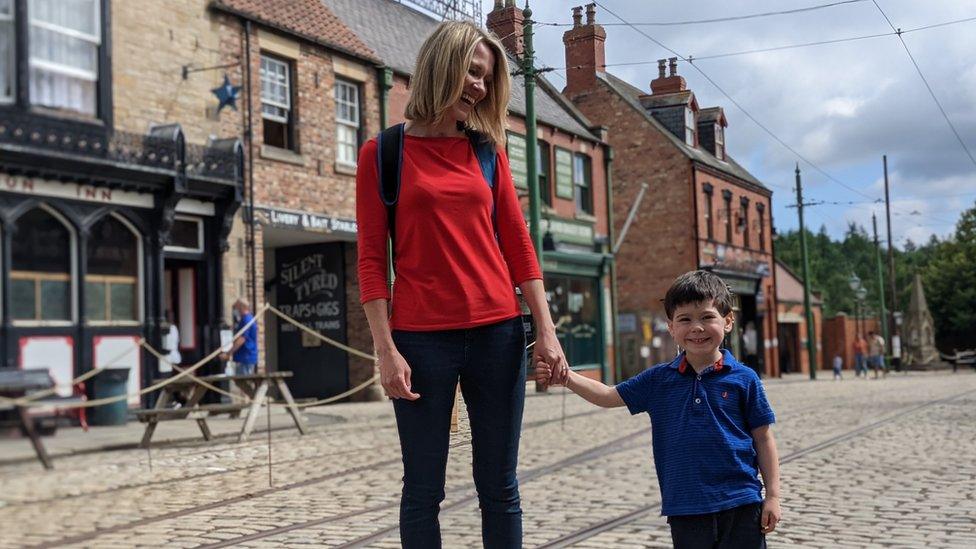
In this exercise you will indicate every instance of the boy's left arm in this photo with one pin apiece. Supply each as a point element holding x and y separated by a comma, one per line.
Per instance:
<point>769,467</point>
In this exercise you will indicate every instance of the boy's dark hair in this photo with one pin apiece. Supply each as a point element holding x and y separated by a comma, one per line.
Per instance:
<point>696,287</point>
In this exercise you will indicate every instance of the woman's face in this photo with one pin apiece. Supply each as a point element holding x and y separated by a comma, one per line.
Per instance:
<point>476,82</point>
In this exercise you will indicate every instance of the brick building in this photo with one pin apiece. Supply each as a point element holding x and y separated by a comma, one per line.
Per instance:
<point>701,208</point>
<point>573,161</point>
<point>792,324</point>
<point>118,185</point>
<point>315,98</point>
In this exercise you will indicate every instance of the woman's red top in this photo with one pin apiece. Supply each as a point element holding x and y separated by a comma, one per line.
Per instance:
<point>451,273</point>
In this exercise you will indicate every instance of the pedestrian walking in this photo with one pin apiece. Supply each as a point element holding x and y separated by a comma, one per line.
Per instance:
<point>711,424</point>
<point>838,367</point>
<point>876,348</point>
<point>244,351</point>
<point>460,247</point>
<point>860,356</point>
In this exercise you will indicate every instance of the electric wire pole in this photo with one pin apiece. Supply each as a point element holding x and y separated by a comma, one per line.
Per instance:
<point>881,292</point>
<point>807,309</point>
<point>531,139</point>
<point>891,266</point>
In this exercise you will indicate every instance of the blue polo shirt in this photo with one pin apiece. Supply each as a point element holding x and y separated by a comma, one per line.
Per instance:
<point>702,426</point>
<point>247,353</point>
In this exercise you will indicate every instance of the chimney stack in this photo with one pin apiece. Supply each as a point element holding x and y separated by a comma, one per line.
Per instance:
<point>506,21</point>
<point>668,84</point>
<point>585,51</point>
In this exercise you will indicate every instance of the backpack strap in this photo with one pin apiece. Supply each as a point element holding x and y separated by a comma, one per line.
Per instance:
<point>487,155</point>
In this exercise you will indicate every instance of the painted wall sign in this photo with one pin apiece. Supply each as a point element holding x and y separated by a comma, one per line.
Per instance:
<point>564,173</point>
<point>306,221</point>
<point>517,160</point>
<point>73,191</point>
<point>579,232</point>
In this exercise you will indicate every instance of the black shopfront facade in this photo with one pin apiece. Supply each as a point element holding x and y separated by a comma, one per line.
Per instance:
<point>102,235</point>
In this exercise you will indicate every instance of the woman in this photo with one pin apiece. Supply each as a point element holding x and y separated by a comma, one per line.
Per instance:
<point>455,315</point>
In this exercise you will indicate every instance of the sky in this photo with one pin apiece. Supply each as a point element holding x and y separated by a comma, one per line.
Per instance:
<point>839,106</point>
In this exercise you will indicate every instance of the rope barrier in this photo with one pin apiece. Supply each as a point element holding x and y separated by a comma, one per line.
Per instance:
<point>162,358</point>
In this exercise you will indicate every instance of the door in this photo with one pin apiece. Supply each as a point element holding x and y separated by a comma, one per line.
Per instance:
<point>183,306</point>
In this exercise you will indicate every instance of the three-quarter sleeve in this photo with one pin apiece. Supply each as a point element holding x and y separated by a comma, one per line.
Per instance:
<point>372,228</point>
<point>513,235</point>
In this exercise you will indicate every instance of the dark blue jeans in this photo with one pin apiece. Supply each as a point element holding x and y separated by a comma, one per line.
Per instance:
<point>736,528</point>
<point>488,362</point>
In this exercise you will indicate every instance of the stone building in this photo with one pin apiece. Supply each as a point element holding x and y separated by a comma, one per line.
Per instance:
<point>119,183</point>
<point>702,210</point>
<point>573,164</point>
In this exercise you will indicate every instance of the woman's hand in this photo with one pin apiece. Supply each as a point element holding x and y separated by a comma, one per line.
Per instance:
<point>548,350</point>
<point>395,375</point>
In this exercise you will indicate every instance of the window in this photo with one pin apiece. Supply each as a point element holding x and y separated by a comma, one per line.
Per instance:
<point>64,39</point>
<point>709,226</point>
<point>576,299</point>
<point>7,55</point>
<point>744,204</point>
<point>276,108</point>
<point>582,181</point>
<point>112,281</point>
<point>727,197</point>
<point>542,162</point>
<point>761,231</point>
<point>186,235</point>
<point>347,122</point>
<point>40,274</point>
<point>719,142</point>
<point>689,126</point>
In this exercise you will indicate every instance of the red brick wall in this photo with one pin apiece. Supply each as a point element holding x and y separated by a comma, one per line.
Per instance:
<point>839,335</point>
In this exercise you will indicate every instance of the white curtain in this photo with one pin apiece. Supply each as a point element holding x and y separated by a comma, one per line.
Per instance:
<point>64,40</point>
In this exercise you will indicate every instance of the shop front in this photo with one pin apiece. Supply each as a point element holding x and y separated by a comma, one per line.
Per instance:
<point>88,238</point>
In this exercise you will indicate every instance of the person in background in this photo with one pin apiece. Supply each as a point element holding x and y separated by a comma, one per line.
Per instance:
<point>876,348</point>
<point>172,345</point>
<point>838,367</point>
<point>244,352</point>
<point>860,352</point>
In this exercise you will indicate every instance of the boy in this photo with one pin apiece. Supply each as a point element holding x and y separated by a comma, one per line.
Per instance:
<point>710,420</point>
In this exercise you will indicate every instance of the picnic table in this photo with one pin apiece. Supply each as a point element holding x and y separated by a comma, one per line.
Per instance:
<point>255,386</point>
<point>20,383</point>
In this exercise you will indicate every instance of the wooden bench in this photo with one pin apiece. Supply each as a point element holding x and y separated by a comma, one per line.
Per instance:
<point>19,383</point>
<point>255,386</point>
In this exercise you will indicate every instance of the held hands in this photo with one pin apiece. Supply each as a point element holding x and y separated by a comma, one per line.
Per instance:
<point>771,513</point>
<point>550,361</point>
<point>395,375</point>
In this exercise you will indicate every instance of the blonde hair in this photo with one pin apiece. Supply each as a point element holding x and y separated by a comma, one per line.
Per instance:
<point>438,79</point>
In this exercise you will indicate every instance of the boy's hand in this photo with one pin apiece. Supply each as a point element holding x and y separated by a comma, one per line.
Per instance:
<point>771,513</point>
<point>543,373</point>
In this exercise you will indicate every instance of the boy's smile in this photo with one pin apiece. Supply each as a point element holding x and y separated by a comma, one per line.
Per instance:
<point>699,329</point>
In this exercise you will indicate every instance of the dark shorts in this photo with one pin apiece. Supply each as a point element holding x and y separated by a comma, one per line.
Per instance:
<point>736,528</point>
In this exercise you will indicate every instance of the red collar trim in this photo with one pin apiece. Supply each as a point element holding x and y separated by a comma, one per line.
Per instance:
<point>684,366</point>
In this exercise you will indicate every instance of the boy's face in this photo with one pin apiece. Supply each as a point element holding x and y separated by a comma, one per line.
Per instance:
<point>699,328</point>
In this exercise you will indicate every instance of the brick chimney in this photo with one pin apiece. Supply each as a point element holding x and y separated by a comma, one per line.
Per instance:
<point>585,51</point>
<point>670,83</point>
<point>505,20</point>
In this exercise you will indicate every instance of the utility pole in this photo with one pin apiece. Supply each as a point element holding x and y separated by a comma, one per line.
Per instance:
<point>881,296</point>
<point>531,139</point>
<point>807,310</point>
<point>891,264</point>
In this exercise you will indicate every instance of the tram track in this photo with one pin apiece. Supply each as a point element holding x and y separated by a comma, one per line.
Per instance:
<point>610,524</point>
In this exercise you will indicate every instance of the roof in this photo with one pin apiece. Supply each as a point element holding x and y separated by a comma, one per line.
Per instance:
<point>396,32</point>
<point>789,286</point>
<point>712,114</point>
<point>632,95</point>
<point>652,101</point>
<point>308,19</point>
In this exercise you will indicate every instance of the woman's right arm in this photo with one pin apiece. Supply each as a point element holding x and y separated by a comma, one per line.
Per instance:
<point>394,370</point>
<point>373,291</point>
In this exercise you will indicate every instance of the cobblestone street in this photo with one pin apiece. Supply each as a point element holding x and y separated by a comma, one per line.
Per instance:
<point>865,463</point>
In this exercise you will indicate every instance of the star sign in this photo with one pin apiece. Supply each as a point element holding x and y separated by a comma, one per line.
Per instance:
<point>226,94</point>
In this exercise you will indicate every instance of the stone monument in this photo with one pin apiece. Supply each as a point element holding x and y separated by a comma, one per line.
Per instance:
<point>919,330</point>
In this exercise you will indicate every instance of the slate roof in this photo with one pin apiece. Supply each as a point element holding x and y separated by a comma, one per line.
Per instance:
<point>308,19</point>
<point>396,32</point>
<point>632,95</point>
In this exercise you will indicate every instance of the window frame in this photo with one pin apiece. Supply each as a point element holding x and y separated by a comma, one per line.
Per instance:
<point>358,128</point>
<point>744,204</point>
<point>108,280</point>
<point>727,197</point>
<point>708,190</point>
<point>544,170</point>
<point>719,141</point>
<point>72,276</point>
<point>95,41</point>
<point>183,249</point>
<point>690,126</point>
<point>761,209</point>
<point>11,21</point>
<point>288,121</point>
<point>583,200</point>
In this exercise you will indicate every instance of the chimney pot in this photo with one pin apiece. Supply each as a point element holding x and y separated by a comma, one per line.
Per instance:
<point>509,3</point>
<point>673,65</point>
<point>591,13</point>
<point>577,16</point>
<point>661,63</point>
<point>498,5</point>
